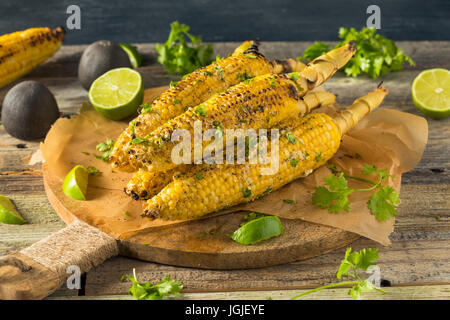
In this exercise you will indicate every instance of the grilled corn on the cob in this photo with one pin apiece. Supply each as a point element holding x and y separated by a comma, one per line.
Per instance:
<point>146,184</point>
<point>227,185</point>
<point>22,51</point>
<point>192,90</point>
<point>261,103</point>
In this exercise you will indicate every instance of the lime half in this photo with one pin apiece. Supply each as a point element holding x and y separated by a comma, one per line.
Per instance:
<point>9,213</point>
<point>76,182</point>
<point>133,54</point>
<point>431,93</point>
<point>258,229</point>
<point>118,93</point>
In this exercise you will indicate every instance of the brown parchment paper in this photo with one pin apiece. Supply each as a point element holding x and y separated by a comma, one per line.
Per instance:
<point>387,138</point>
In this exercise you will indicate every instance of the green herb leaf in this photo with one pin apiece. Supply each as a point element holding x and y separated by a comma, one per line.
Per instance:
<point>335,200</point>
<point>251,56</point>
<point>291,138</point>
<point>93,171</point>
<point>352,262</point>
<point>145,108</point>
<point>219,71</point>
<point>147,291</point>
<point>293,162</point>
<point>318,157</point>
<point>244,76</point>
<point>199,175</point>
<point>246,193</point>
<point>177,56</point>
<point>294,76</point>
<point>376,55</point>
<point>315,50</point>
<point>249,80</point>
<point>383,204</point>
<point>200,110</point>
<point>106,148</point>
<point>288,201</point>
<point>273,84</point>
<point>138,140</point>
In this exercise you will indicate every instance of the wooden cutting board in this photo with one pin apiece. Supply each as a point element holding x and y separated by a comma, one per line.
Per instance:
<point>205,243</point>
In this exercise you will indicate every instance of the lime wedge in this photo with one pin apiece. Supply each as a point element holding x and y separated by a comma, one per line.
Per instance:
<point>117,93</point>
<point>9,213</point>
<point>258,229</point>
<point>431,93</point>
<point>133,54</point>
<point>76,182</point>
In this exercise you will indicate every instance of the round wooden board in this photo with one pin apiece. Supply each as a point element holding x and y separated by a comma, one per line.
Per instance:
<point>205,243</point>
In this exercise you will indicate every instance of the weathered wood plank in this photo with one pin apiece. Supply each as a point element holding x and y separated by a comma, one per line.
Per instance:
<point>42,221</point>
<point>70,95</point>
<point>436,292</point>
<point>421,207</point>
<point>406,261</point>
<point>59,73</point>
<point>65,62</point>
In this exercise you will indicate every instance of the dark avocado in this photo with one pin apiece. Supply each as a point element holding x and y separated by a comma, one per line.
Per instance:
<point>100,57</point>
<point>29,110</point>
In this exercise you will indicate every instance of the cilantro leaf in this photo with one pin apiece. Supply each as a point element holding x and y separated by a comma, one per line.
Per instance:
<point>146,291</point>
<point>138,140</point>
<point>177,56</point>
<point>335,200</point>
<point>376,55</point>
<point>93,171</point>
<point>352,262</point>
<point>145,108</point>
<point>383,204</point>
<point>200,110</point>
<point>315,50</point>
<point>106,148</point>
<point>291,138</point>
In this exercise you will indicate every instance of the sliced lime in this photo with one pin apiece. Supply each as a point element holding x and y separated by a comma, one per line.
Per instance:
<point>9,213</point>
<point>258,229</point>
<point>133,54</point>
<point>118,93</point>
<point>431,93</point>
<point>76,182</point>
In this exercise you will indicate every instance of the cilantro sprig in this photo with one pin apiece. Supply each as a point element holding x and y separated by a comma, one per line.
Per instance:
<point>177,56</point>
<point>106,148</point>
<point>382,204</point>
<point>315,50</point>
<point>352,262</point>
<point>147,291</point>
<point>376,55</point>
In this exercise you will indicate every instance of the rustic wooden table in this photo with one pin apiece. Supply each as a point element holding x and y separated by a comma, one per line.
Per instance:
<point>415,266</point>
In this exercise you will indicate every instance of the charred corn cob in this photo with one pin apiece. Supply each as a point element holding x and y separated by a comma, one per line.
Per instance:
<point>228,185</point>
<point>146,184</point>
<point>22,51</point>
<point>193,90</point>
<point>257,104</point>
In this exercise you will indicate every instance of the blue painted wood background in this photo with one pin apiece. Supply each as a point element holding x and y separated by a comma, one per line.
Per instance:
<point>229,20</point>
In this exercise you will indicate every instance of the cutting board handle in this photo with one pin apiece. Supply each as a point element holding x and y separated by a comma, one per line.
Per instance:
<point>37,271</point>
